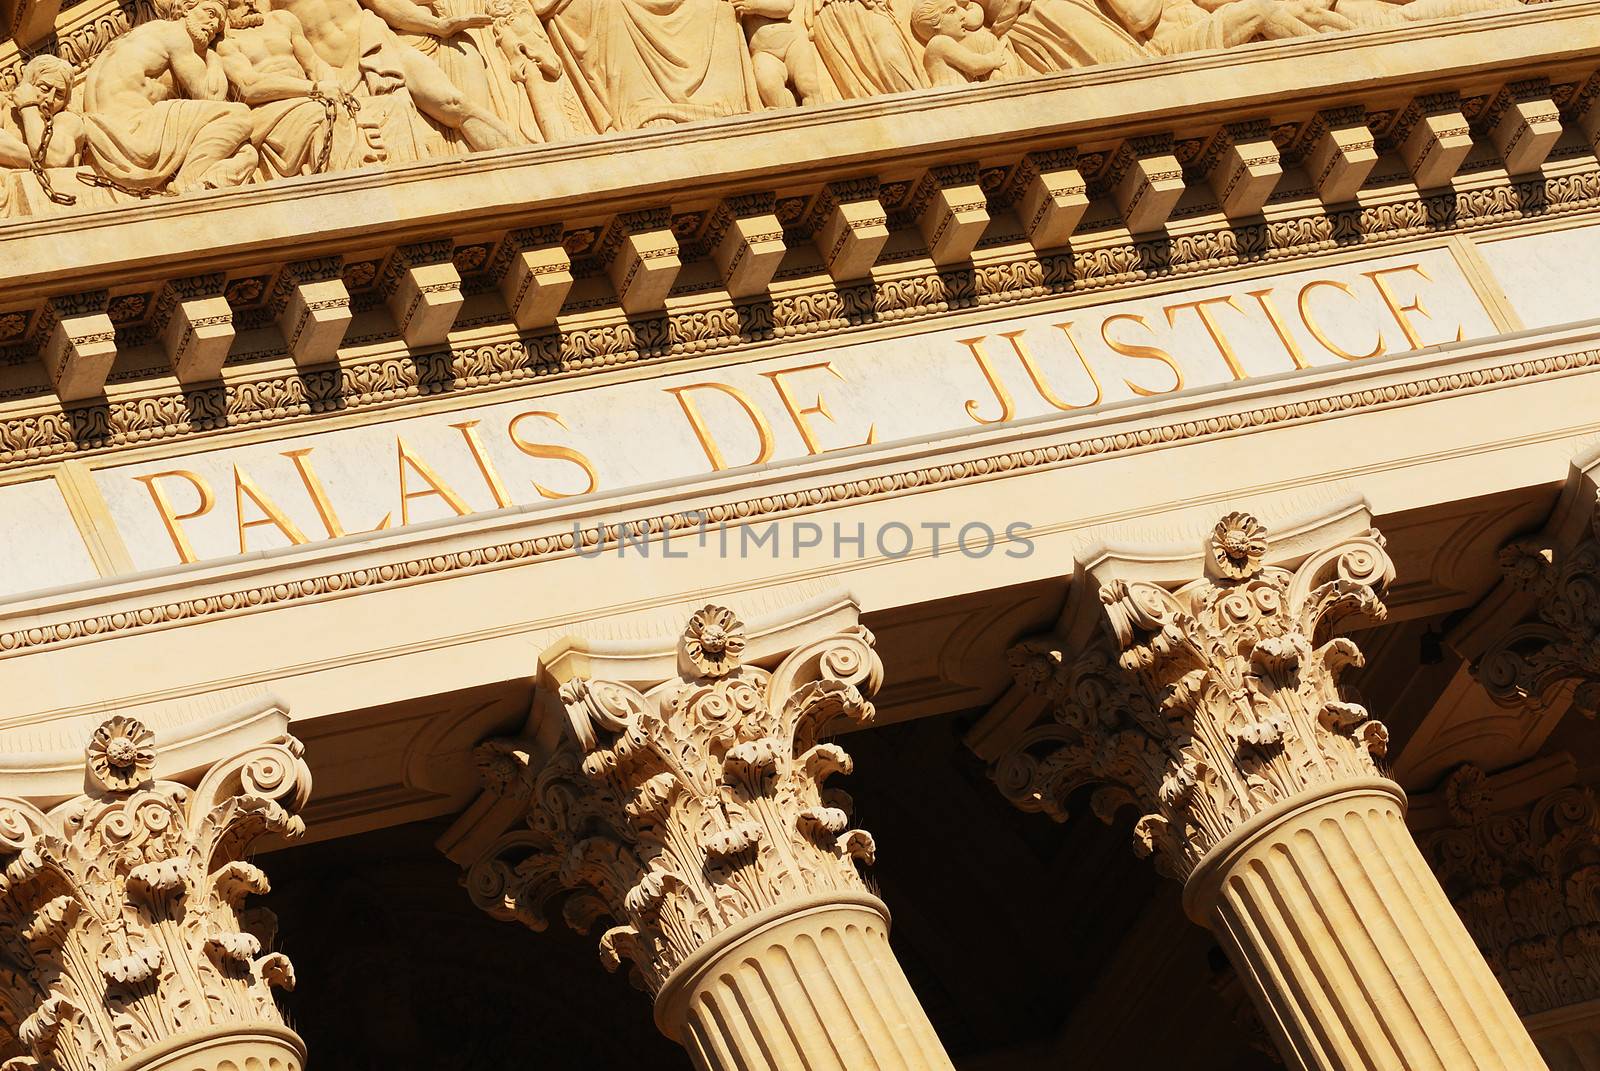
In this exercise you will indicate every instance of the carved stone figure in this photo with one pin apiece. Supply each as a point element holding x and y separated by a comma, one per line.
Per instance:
<point>365,51</point>
<point>1171,26</point>
<point>645,63</point>
<point>156,107</point>
<point>293,94</point>
<point>1375,13</point>
<point>1058,35</point>
<point>524,57</point>
<point>865,47</point>
<point>35,125</point>
<point>958,47</point>
<point>37,132</point>
<point>784,59</point>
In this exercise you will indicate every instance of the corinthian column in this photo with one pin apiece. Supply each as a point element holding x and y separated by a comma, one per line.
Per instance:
<point>683,802</point>
<point>1521,863</point>
<point>124,943</point>
<point>1214,706</point>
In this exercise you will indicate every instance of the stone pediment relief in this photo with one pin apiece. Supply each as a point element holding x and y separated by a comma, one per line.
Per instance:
<point>103,104</point>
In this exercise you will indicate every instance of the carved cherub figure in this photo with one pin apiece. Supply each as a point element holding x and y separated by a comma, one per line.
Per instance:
<point>957,46</point>
<point>35,125</point>
<point>784,61</point>
<point>534,65</point>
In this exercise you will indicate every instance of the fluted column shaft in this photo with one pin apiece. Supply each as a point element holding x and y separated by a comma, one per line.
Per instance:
<point>1354,956</point>
<point>814,986</point>
<point>1218,709</point>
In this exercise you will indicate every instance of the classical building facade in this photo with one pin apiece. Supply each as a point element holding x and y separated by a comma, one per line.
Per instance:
<point>1000,535</point>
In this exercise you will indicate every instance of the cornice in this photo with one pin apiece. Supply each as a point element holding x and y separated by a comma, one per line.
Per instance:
<point>167,599</point>
<point>41,431</point>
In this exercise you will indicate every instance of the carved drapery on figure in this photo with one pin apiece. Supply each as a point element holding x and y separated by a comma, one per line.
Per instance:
<point>126,942</point>
<point>684,809</point>
<point>1560,644</point>
<point>1218,701</point>
<point>324,85</point>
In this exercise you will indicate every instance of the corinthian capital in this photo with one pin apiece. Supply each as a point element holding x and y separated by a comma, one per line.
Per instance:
<point>685,796</point>
<point>123,931</point>
<point>1202,703</point>
<point>1521,864</point>
<point>1559,642</point>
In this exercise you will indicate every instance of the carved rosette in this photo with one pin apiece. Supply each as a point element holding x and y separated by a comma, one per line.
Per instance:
<point>122,925</point>
<point>1561,644</point>
<point>1205,705</point>
<point>1527,885</point>
<point>679,811</point>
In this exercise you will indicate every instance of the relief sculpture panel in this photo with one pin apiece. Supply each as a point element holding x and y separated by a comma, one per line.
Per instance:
<point>161,97</point>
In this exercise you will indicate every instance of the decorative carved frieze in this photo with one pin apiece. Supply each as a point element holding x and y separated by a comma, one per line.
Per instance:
<point>312,307</point>
<point>954,214</point>
<point>122,911</point>
<point>1559,644</point>
<point>1241,164</point>
<point>745,237</point>
<point>77,343</point>
<point>1340,153</point>
<point>535,275</point>
<point>422,288</point>
<point>640,254</point>
<point>681,807</point>
<point>195,324</point>
<point>1146,182</point>
<point>1526,881</point>
<point>1524,124</point>
<point>1208,704</point>
<point>1432,137</point>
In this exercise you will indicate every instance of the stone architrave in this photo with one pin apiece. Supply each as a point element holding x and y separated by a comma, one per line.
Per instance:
<point>1524,874</point>
<point>1215,707</point>
<point>685,804</point>
<point>126,942</point>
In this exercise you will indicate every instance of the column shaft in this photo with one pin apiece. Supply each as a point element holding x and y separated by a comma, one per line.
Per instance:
<point>816,988</point>
<point>1356,959</point>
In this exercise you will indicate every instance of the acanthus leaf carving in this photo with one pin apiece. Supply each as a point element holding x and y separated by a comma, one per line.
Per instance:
<point>1526,881</point>
<point>1560,643</point>
<point>121,918</point>
<point>1205,705</point>
<point>679,810</point>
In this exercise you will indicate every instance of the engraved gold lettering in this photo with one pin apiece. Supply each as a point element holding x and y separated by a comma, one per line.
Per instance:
<point>1035,375</point>
<point>818,408</point>
<point>1320,335</point>
<point>708,442</point>
<point>1398,311</point>
<point>1007,406</point>
<point>553,453</point>
<point>272,516</point>
<point>319,495</point>
<point>1202,308</point>
<point>1129,349</point>
<point>486,469</point>
<point>406,458</point>
<point>170,517</point>
<point>1264,299</point>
